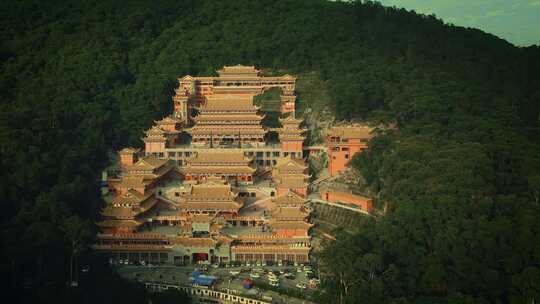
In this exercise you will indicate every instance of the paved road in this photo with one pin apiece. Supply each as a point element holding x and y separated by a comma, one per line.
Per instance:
<point>180,276</point>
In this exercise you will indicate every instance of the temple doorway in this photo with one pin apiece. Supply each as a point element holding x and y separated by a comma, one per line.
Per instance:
<point>200,256</point>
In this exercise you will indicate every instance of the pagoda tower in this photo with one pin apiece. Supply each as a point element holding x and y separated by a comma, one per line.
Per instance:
<point>289,174</point>
<point>155,141</point>
<point>228,119</point>
<point>291,135</point>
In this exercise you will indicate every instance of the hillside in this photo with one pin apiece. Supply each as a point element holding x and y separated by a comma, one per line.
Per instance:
<point>461,174</point>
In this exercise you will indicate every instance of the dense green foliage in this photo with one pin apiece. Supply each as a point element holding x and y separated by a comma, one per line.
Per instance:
<point>461,177</point>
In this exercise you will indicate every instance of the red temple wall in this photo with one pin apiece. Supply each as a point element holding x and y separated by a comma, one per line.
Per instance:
<point>339,154</point>
<point>291,146</point>
<point>151,147</point>
<point>363,203</point>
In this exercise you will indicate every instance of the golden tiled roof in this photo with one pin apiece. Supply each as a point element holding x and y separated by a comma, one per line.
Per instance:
<point>232,130</point>
<point>351,132</point>
<point>290,164</point>
<point>224,169</point>
<point>209,205</point>
<point>130,197</point>
<point>129,205</point>
<point>290,120</point>
<point>119,212</point>
<point>224,102</point>
<point>132,181</point>
<point>224,156</point>
<point>290,199</point>
<point>227,117</point>
<point>155,131</point>
<point>289,213</point>
<point>235,69</point>
<point>147,163</point>
<point>210,190</point>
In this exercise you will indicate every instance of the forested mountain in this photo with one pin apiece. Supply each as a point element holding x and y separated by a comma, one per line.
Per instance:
<point>460,174</point>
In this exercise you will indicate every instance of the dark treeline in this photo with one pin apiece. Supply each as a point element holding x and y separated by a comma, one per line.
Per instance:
<point>461,177</point>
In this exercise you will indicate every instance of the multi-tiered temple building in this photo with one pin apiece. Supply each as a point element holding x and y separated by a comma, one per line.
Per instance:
<point>208,185</point>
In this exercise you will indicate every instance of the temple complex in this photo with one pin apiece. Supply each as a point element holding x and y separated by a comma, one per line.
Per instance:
<point>209,187</point>
<point>236,80</point>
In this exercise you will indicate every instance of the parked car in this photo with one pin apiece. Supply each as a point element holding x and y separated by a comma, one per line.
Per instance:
<point>234,272</point>
<point>274,284</point>
<point>254,275</point>
<point>301,285</point>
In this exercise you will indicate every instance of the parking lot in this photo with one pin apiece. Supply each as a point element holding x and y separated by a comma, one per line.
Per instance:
<point>294,278</point>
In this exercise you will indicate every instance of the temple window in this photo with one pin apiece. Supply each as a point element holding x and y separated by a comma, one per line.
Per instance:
<point>260,154</point>
<point>347,156</point>
<point>267,154</point>
<point>276,154</point>
<point>172,154</point>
